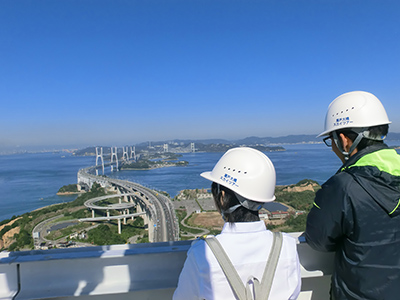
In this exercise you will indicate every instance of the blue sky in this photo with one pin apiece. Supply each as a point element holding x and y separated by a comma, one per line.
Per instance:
<point>123,72</point>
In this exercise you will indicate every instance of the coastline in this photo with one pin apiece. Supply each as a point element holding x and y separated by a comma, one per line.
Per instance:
<point>68,193</point>
<point>43,186</point>
<point>147,169</point>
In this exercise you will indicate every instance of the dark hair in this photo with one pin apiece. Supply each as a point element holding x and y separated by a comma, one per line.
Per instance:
<point>374,132</point>
<point>241,214</point>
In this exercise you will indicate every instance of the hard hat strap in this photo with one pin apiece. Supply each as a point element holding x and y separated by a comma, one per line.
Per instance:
<point>231,209</point>
<point>339,144</point>
<point>356,142</point>
<point>218,188</point>
<point>361,133</point>
<point>249,204</point>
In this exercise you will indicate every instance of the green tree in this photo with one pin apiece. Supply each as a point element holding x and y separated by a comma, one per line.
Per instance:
<point>23,240</point>
<point>72,188</point>
<point>297,224</point>
<point>103,235</point>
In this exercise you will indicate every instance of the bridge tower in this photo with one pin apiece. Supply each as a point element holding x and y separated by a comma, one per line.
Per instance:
<point>99,154</point>
<point>114,155</point>
<point>165,147</point>
<point>125,153</point>
<point>133,153</point>
<point>192,147</point>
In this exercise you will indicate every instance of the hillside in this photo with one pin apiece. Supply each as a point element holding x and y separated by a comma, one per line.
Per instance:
<point>197,213</point>
<point>16,233</point>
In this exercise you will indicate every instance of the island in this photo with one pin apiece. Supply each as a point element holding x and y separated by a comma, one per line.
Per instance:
<point>161,155</point>
<point>148,161</point>
<point>70,189</point>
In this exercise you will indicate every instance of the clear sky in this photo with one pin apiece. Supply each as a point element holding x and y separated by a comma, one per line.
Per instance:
<point>95,72</point>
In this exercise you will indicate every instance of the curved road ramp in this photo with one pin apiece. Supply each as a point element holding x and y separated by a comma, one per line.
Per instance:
<point>159,211</point>
<point>139,271</point>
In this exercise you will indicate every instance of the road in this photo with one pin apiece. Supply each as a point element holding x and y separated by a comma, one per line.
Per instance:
<point>159,207</point>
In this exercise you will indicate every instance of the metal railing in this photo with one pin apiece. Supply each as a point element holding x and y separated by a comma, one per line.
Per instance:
<point>141,271</point>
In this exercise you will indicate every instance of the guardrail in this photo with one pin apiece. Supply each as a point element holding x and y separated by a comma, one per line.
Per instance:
<point>141,271</point>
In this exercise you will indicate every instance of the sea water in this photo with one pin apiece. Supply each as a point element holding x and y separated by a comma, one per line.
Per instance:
<point>298,162</point>
<point>31,180</point>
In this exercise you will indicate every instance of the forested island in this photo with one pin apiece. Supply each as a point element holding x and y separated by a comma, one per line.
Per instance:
<point>148,161</point>
<point>70,189</point>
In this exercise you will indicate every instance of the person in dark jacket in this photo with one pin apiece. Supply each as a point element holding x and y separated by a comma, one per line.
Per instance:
<point>356,212</point>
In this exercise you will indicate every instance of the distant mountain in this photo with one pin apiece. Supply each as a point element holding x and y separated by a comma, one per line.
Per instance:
<point>184,142</point>
<point>225,144</point>
<point>253,140</point>
<point>201,147</point>
<point>290,139</point>
<point>295,139</point>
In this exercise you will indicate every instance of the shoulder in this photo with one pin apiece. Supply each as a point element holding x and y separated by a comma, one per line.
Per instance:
<point>199,252</point>
<point>287,238</point>
<point>197,257</point>
<point>197,245</point>
<point>289,242</point>
<point>340,179</point>
<point>288,253</point>
<point>336,187</point>
<point>289,246</point>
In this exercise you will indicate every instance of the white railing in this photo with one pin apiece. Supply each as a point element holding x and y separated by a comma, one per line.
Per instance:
<point>142,271</point>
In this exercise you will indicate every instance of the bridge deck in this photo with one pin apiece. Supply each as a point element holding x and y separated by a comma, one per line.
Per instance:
<point>111,217</point>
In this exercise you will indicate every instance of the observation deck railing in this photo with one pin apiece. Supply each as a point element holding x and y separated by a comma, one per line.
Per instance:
<point>141,271</point>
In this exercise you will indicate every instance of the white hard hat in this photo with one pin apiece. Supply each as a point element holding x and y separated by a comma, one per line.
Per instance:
<point>247,172</point>
<point>354,110</point>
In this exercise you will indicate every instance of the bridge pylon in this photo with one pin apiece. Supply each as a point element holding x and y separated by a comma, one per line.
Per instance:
<point>99,154</point>
<point>165,147</point>
<point>114,155</point>
<point>192,147</point>
<point>125,153</point>
<point>133,153</point>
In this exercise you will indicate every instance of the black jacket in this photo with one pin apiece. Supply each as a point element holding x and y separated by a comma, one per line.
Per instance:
<point>356,214</point>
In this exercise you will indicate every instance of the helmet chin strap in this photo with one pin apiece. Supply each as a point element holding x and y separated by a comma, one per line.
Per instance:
<point>339,144</point>
<point>361,133</point>
<point>251,205</point>
<point>229,210</point>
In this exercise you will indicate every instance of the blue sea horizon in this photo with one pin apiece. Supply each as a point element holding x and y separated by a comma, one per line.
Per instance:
<point>31,180</point>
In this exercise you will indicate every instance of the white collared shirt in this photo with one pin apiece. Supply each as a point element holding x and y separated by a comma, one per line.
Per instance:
<point>247,245</point>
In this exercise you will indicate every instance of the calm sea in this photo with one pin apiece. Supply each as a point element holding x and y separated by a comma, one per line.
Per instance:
<point>31,181</point>
<point>313,161</point>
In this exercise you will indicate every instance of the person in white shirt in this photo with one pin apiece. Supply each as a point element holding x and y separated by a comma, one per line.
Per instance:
<point>243,180</point>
